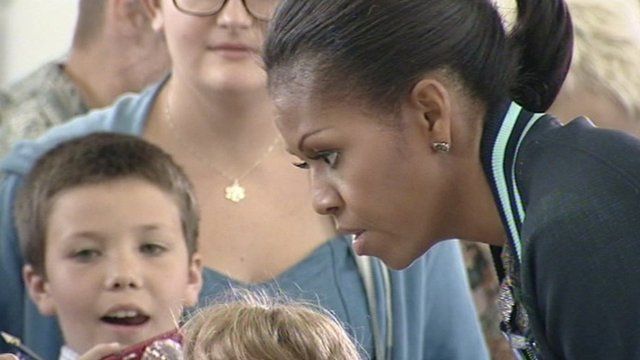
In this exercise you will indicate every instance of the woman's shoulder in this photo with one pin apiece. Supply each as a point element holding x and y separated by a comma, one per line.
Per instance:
<point>579,154</point>
<point>582,192</point>
<point>581,188</point>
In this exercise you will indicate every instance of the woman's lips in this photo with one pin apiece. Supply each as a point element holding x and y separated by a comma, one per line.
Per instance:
<point>233,51</point>
<point>358,243</point>
<point>357,240</point>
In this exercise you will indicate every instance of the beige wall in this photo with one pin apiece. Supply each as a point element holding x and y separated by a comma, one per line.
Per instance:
<point>32,32</point>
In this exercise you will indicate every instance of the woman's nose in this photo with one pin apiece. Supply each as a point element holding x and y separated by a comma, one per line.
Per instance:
<point>234,14</point>
<point>325,198</point>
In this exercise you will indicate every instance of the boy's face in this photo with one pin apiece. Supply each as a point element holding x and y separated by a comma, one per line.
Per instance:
<point>116,263</point>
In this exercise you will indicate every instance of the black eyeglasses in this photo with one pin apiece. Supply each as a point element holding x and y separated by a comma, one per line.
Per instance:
<point>260,9</point>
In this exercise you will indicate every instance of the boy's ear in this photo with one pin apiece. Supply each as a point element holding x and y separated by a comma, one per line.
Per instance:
<point>194,281</point>
<point>38,289</point>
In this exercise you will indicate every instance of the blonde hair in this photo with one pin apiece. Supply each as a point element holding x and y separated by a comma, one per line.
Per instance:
<point>254,326</point>
<point>606,49</point>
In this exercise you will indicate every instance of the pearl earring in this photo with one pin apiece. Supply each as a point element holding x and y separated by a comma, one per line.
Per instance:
<point>441,146</point>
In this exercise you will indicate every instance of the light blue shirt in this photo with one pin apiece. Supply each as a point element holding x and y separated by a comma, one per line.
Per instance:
<point>432,312</point>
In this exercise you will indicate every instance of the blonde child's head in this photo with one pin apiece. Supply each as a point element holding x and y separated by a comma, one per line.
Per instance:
<point>254,326</point>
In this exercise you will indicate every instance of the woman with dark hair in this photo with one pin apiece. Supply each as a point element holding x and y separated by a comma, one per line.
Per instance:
<point>214,116</point>
<point>419,121</point>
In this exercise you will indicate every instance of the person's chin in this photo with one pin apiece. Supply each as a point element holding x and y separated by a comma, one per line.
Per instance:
<point>398,263</point>
<point>394,256</point>
<point>395,260</point>
<point>233,82</point>
<point>128,335</point>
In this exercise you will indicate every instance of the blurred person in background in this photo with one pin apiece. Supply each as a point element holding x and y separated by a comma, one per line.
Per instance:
<point>114,50</point>
<point>604,81</point>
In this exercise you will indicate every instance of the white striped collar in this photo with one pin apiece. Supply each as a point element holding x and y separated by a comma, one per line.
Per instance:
<point>67,354</point>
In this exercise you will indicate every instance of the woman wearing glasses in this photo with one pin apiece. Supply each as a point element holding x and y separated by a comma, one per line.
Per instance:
<point>258,231</point>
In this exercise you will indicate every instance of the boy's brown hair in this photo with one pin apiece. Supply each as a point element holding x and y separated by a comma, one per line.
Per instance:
<point>95,159</point>
<point>255,326</point>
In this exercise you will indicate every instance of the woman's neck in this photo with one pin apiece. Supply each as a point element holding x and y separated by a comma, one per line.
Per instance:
<point>469,211</point>
<point>220,113</point>
<point>475,213</point>
<point>217,124</point>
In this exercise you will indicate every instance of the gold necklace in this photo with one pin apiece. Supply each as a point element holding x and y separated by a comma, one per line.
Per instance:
<point>234,192</point>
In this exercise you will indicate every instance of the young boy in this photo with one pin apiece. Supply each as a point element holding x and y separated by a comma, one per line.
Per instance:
<point>108,226</point>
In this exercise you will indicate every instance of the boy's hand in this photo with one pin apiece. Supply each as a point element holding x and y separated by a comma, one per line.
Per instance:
<point>8,357</point>
<point>99,351</point>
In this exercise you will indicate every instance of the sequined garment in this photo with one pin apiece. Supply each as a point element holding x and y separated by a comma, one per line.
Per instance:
<point>485,289</point>
<point>515,322</point>
<point>45,98</point>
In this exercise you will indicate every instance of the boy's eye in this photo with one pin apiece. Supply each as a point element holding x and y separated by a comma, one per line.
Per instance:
<point>152,249</point>
<point>86,255</point>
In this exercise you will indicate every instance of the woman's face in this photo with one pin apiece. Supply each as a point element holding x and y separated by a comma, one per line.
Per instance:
<point>378,181</point>
<point>220,51</point>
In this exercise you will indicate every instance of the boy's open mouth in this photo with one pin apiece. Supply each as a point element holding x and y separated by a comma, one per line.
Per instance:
<point>125,318</point>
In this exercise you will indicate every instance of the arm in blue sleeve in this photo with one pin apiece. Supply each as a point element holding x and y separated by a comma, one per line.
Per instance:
<point>12,294</point>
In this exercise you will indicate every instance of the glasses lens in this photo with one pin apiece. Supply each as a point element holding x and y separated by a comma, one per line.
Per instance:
<point>262,9</point>
<point>199,7</point>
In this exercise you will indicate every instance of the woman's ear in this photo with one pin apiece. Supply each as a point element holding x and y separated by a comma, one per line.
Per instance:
<point>194,281</point>
<point>153,9</point>
<point>431,101</point>
<point>39,291</point>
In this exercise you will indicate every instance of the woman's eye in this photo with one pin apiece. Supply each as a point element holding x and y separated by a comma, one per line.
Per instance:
<point>85,255</point>
<point>329,157</point>
<point>152,249</point>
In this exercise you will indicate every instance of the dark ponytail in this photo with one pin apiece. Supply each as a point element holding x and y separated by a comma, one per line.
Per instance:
<point>542,40</point>
<point>377,50</point>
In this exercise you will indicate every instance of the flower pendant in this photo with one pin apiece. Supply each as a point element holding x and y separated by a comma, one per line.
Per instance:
<point>235,192</point>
